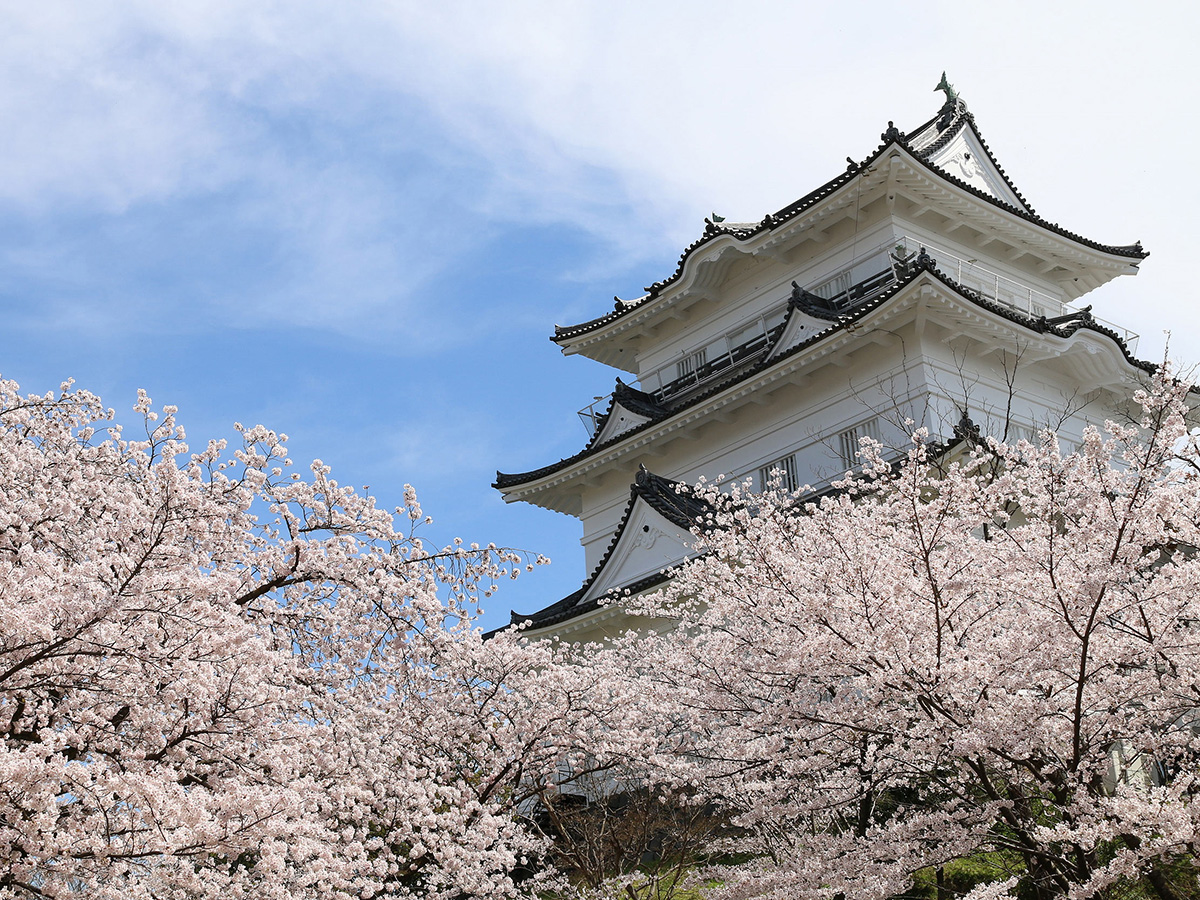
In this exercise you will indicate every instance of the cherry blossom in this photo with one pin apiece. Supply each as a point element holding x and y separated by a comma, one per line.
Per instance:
<point>220,677</point>
<point>983,651</point>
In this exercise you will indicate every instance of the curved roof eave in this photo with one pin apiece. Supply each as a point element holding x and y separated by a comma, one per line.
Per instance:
<point>571,607</point>
<point>1130,251</point>
<point>891,138</point>
<point>577,604</point>
<point>1062,327</point>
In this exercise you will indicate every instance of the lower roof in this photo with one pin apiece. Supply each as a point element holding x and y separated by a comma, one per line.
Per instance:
<point>680,505</point>
<point>923,267</point>
<point>675,501</point>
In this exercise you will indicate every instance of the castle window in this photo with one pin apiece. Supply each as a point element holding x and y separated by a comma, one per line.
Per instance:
<point>691,364</point>
<point>782,470</point>
<point>847,442</point>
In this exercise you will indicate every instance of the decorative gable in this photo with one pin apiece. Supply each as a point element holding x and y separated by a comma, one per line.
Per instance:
<point>654,534</point>
<point>648,544</point>
<point>807,314</point>
<point>629,409</point>
<point>966,158</point>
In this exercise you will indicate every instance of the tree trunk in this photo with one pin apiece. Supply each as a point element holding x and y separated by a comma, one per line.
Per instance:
<point>1162,884</point>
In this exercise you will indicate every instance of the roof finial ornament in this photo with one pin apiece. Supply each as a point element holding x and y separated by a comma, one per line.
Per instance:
<point>967,431</point>
<point>951,93</point>
<point>953,106</point>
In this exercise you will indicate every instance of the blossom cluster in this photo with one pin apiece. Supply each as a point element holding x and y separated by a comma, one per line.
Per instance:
<point>223,678</point>
<point>982,651</point>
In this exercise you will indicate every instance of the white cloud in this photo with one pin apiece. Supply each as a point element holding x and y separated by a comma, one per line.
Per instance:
<point>629,123</point>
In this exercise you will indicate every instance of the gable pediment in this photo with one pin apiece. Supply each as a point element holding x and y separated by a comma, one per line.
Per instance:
<point>807,315</point>
<point>965,157</point>
<point>619,420</point>
<point>647,543</point>
<point>629,409</point>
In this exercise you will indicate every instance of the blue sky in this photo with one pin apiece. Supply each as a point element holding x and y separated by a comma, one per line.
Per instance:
<point>358,223</point>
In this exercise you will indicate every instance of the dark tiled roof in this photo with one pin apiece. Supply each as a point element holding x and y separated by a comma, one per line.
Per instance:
<point>569,607</point>
<point>573,605</point>
<point>1062,326</point>
<point>808,302</point>
<point>674,501</point>
<point>563,331</point>
<point>637,402</point>
<point>891,137</point>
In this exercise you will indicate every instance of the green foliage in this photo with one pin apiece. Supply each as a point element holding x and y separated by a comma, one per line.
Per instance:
<point>959,876</point>
<point>1177,878</point>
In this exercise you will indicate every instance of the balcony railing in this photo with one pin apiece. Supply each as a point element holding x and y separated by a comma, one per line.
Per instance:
<point>1001,289</point>
<point>593,414</point>
<point>715,365</point>
<point>875,269</point>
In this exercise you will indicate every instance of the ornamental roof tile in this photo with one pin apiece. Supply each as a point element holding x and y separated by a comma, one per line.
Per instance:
<point>637,401</point>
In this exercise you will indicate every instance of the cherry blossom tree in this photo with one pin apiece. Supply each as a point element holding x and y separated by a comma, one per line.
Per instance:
<point>222,678</point>
<point>991,656</point>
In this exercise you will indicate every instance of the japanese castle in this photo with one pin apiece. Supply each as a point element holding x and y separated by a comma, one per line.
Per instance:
<point>918,288</point>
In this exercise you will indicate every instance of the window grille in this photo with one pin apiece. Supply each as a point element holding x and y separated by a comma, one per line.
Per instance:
<point>848,441</point>
<point>692,363</point>
<point>783,469</point>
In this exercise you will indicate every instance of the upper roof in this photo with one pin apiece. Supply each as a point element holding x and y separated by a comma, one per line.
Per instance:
<point>926,146</point>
